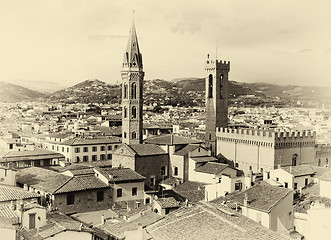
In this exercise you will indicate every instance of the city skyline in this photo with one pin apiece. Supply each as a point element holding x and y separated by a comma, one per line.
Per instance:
<point>70,41</point>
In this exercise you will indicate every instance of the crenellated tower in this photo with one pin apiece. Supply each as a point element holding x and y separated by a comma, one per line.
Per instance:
<point>216,99</point>
<point>132,91</point>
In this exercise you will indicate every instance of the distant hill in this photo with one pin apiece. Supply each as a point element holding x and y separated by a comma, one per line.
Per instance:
<point>14,93</point>
<point>88,91</point>
<point>191,92</point>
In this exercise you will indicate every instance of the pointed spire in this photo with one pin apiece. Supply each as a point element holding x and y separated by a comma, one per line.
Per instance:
<point>132,56</point>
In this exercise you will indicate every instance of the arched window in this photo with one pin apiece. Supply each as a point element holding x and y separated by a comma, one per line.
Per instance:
<point>134,135</point>
<point>125,90</point>
<point>125,112</point>
<point>210,86</point>
<point>124,135</point>
<point>250,168</point>
<point>133,91</point>
<point>134,112</point>
<point>261,170</point>
<point>163,170</point>
<point>326,161</point>
<point>176,171</point>
<point>319,162</point>
<point>294,159</point>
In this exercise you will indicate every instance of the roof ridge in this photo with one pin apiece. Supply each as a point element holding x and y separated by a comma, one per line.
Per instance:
<point>63,184</point>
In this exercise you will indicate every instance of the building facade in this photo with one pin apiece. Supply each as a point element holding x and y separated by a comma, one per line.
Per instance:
<point>264,150</point>
<point>216,99</point>
<point>132,92</point>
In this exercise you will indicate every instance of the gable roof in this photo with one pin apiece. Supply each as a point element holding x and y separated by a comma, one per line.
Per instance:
<point>204,159</point>
<point>81,183</point>
<point>147,149</point>
<point>262,196</point>
<point>212,168</point>
<point>206,221</point>
<point>56,223</point>
<point>10,193</point>
<point>300,170</point>
<point>30,155</point>
<point>8,217</point>
<point>187,149</point>
<point>170,139</point>
<point>120,174</point>
<point>41,179</point>
<point>92,141</point>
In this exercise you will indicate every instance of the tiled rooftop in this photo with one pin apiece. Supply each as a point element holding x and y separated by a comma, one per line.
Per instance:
<point>187,149</point>
<point>262,196</point>
<point>171,139</point>
<point>192,191</point>
<point>120,174</point>
<point>10,193</point>
<point>80,141</point>
<point>147,149</point>
<point>80,183</point>
<point>30,155</point>
<point>212,168</point>
<point>56,223</point>
<point>8,216</point>
<point>41,179</point>
<point>94,218</point>
<point>205,221</point>
<point>169,202</point>
<point>300,170</point>
<point>118,228</point>
<point>326,176</point>
<point>204,159</point>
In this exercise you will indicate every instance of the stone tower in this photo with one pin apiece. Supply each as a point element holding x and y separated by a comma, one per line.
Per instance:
<point>216,99</point>
<point>132,91</point>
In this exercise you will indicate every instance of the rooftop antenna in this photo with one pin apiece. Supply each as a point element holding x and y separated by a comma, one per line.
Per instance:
<point>216,48</point>
<point>133,12</point>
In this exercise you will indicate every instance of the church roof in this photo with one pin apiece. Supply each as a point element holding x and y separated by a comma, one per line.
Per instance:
<point>171,139</point>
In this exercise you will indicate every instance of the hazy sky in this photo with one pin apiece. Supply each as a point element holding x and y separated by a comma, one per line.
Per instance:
<point>68,41</point>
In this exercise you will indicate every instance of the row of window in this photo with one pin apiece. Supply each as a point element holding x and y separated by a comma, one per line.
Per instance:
<point>210,85</point>
<point>94,157</point>
<point>295,144</point>
<point>119,192</point>
<point>326,162</point>
<point>95,148</point>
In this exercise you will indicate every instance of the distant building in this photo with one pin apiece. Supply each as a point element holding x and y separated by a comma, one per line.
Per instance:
<point>263,150</point>
<point>84,150</point>
<point>323,154</point>
<point>132,91</point>
<point>38,157</point>
<point>216,99</point>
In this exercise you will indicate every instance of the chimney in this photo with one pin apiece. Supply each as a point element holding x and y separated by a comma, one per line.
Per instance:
<point>246,200</point>
<point>278,166</point>
<point>103,219</point>
<point>25,187</point>
<point>12,205</point>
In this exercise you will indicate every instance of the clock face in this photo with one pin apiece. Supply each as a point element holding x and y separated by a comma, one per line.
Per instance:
<point>134,64</point>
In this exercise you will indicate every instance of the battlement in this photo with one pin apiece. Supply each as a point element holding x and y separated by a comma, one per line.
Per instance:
<point>219,64</point>
<point>258,134</point>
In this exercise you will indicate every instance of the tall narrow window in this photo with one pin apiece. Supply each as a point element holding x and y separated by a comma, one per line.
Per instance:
<point>163,170</point>
<point>176,171</point>
<point>125,90</point>
<point>221,85</point>
<point>125,112</point>
<point>210,86</point>
<point>133,91</point>
<point>134,112</point>
<point>294,159</point>
<point>70,199</point>
<point>134,135</point>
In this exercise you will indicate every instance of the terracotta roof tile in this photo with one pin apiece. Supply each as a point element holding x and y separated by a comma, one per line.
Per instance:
<point>10,193</point>
<point>261,196</point>
<point>169,202</point>
<point>120,174</point>
<point>147,149</point>
<point>30,155</point>
<point>171,139</point>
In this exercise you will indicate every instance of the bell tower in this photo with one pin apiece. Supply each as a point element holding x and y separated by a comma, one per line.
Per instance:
<point>132,91</point>
<point>216,99</point>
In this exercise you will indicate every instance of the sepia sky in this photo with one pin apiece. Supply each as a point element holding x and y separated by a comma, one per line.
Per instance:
<point>68,41</point>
